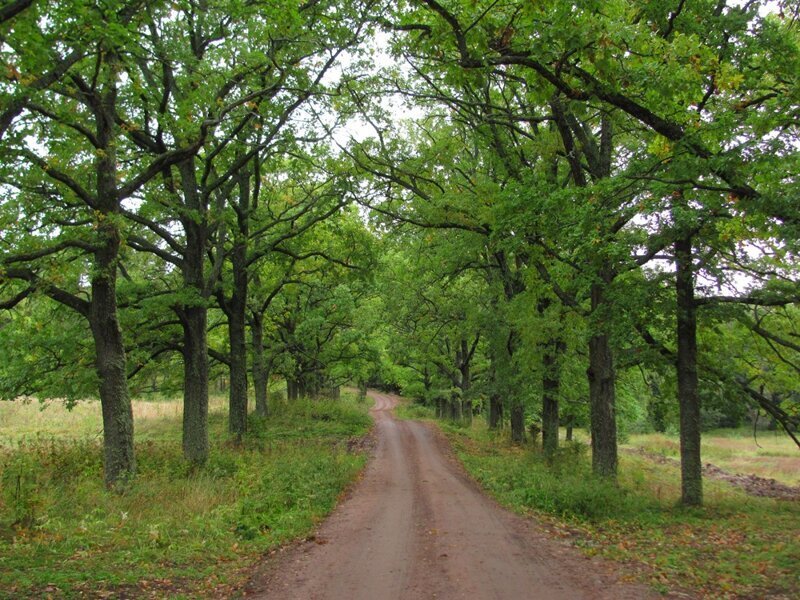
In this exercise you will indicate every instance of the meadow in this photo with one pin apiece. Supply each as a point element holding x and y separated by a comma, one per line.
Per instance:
<point>176,532</point>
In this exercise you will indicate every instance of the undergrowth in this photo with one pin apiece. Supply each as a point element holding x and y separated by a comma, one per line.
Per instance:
<point>176,532</point>
<point>736,546</point>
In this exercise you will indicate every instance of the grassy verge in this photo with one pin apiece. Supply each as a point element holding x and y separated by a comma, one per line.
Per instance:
<point>734,547</point>
<point>175,533</point>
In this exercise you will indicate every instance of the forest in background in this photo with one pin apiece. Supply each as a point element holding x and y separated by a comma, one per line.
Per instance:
<point>587,217</point>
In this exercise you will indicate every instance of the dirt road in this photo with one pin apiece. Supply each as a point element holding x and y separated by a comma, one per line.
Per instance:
<point>416,527</point>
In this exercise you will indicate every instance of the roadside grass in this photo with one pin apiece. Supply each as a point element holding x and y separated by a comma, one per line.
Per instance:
<point>736,546</point>
<point>175,533</point>
<point>771,455</point>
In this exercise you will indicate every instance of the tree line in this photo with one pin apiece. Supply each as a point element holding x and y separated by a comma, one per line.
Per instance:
<point>585,196</point>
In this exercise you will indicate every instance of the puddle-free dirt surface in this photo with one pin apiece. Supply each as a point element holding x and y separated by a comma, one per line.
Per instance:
<point>417,527</point>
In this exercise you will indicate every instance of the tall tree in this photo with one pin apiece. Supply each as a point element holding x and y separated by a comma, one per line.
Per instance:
<point>73,193</point>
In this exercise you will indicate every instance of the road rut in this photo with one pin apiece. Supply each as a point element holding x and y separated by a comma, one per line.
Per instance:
<point>417,527</point>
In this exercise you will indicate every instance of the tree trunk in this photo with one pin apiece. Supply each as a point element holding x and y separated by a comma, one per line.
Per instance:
<point>236,311</point>
<point>441,407</point>
<point>291,389</point>
<point>686,366</point>
<point>260,369</point>
<point>570,426</point>
<point>195,385</point>
<point>466,411</point>
<point>517,423</point>
<point>602,393</point>
<point>110,363</point>
<point>119,461</point>
<point>237,399</point>
<point>602,407</point>
<point>551,382</point>
<point>465,376</point>
<point>495,411</point>
<point>194,318</point>
<point>454,405</point>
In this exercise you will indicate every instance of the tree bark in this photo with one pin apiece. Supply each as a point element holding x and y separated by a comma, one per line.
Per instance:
<point>495,411</point>
<point>110,359</point>
<point>602,392</point>
<point>193,315</point>
<point>517,423</point>
<point>454,405</point>
<point>686,367</point>
<point>237,399</point>
<point>292,389</point>
<point>110,364</point>
<point>236,311</point>
<point>551,383</point>
<point>195,385</point>
<point>260,369</point>
<point>465,376</point>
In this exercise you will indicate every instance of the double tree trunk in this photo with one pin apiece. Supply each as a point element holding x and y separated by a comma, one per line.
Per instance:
<point>110,363</point>
<point>602,392</point>
<point>551,383</point>
<point>505,384</point>
<point>686,366</point>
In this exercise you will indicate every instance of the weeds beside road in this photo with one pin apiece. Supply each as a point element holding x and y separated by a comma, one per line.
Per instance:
<point>175,533</point>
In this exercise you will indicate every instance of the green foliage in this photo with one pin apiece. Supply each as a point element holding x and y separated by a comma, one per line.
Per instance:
<point>46,352</point>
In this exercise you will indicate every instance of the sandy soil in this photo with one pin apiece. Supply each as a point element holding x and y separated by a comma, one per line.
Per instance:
<point>417,527</point>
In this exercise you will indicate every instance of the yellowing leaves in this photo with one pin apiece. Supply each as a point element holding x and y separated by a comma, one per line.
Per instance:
<point>660,147</point>
<point>728,78</point>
